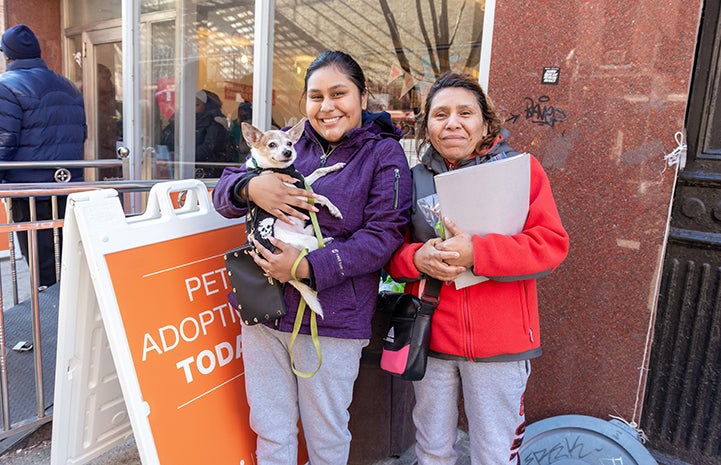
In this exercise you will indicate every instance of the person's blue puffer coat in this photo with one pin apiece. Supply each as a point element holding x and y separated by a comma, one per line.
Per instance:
<point>42,118</point>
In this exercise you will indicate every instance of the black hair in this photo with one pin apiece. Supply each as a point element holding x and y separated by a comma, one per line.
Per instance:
<point>343,62</point>
<point>468,82</point>
<point>245,112</point>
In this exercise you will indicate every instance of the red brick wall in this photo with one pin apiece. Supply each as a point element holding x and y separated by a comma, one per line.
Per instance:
<point>601,133</point>
<point>43,17</point>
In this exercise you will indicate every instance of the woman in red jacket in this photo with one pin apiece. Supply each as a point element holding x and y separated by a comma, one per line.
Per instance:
<point>483,336</point>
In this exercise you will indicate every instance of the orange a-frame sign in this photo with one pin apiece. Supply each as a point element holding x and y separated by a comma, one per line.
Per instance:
<point>147,296</point>
<point>186,346</point>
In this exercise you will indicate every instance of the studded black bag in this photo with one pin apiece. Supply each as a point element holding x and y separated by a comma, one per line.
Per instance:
<point>258,298</point>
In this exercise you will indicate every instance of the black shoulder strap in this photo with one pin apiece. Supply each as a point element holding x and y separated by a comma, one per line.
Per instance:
<point>429,298</point>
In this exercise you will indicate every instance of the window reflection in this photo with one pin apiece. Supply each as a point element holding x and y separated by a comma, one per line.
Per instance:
<point>190,45</point>
<point>83,12</point>
<point>402,47</point>
<point>210,71</point>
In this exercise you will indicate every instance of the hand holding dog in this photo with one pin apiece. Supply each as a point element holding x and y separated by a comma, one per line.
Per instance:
<point>278,265</point>
<point>272,193</point>
<point>433,262</point>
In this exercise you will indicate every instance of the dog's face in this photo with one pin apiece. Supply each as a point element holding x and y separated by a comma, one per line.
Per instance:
<point>274,148</point>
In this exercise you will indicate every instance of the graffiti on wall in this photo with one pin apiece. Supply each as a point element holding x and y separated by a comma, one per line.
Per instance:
<point>540,111</point>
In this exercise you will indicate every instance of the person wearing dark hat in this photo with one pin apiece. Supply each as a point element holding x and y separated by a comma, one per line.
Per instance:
<point>42,118</point>
<point>212,138</point>
<point>245,115</point>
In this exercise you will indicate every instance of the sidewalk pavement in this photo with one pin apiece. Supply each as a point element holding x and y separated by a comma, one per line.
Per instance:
<point>35,450</point>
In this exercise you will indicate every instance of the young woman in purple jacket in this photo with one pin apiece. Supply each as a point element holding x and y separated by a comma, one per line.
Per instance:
<point>373,193</point>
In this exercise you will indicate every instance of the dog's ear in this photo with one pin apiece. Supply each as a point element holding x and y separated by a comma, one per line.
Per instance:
<point>296,131</point>
<point>251,134</point>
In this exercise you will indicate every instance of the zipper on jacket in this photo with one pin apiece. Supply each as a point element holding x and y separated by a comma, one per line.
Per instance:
<point>526,314</point>
<point>396,181</point>
<point>467,323</point>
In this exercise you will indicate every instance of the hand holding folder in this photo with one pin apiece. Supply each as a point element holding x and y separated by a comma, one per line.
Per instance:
<point>488,198</point>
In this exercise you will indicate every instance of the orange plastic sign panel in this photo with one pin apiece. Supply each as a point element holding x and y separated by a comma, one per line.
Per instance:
<point>160,285</point>
<point>186,346</point>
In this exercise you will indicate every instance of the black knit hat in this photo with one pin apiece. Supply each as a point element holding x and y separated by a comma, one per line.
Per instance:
<point>20,42</point>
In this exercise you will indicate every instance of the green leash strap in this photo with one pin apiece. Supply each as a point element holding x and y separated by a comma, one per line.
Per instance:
<point>313,336</point>
<point>302,305</point>
<point>314,219</point>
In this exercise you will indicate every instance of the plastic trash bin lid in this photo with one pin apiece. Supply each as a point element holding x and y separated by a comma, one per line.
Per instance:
<point>580,440</point>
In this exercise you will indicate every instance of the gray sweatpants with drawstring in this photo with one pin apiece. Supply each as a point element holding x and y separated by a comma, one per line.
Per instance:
<point>493,399</point>
<point>278,398</point>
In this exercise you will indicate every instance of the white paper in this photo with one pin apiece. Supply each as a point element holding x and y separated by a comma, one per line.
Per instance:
<point>488,198</point>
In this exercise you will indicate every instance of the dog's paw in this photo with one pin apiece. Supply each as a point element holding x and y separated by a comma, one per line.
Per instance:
<point>335,167</point>
<point>333,210</point>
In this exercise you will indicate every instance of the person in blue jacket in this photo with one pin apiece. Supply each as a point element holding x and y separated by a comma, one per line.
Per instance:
<point>373,193</point>
<point>42,118</point>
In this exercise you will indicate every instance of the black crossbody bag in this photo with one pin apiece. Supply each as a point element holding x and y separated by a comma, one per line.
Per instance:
<point>405,347</point>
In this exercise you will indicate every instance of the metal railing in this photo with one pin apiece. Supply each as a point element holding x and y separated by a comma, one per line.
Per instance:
<point>132,198</point>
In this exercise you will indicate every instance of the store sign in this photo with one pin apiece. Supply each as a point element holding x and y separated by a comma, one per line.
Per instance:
<point>147,343</point>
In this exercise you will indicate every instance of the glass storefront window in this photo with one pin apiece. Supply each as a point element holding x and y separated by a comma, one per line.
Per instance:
<point>74,65</point>
<point>199,55</point>
<point>198,64</point>
<point>401,46</point>
<point>83,12</point>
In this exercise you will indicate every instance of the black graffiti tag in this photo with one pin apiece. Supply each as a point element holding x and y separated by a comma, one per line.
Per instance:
<point>542,113</point>
<point>562,451</point>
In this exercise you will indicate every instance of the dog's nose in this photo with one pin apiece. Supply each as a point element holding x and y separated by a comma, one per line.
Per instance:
<point>287,153</point>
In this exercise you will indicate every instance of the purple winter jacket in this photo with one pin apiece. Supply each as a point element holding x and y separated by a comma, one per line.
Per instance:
<point>373,192</point>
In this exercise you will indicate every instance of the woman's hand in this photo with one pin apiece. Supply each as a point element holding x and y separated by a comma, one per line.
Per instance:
<point>433,262</point>
<point>276,193</point>
<point>278,265</point>
<point>459,242</point>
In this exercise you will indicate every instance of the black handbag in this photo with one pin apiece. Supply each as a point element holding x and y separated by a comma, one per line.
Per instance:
<point>258,298</point>
<point>405,347</point>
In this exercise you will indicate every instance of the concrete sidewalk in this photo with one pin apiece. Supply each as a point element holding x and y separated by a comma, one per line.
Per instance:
<point>35,450</point>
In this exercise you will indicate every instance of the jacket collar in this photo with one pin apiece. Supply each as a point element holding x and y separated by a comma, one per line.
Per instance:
<point>26,63</point>
<point>436,163</point>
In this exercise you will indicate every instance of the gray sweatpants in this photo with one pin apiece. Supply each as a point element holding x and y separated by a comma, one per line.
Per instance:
<point>493,399</point>
<point>278,398</point>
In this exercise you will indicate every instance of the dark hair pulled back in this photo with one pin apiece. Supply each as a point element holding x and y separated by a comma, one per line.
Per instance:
<point>488,110</point>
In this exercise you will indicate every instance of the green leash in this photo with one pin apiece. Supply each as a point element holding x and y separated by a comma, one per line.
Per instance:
<point>302,304</point>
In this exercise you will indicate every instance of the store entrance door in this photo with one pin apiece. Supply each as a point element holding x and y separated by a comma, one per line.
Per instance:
<point>103,77</point>
<point>683,399</point>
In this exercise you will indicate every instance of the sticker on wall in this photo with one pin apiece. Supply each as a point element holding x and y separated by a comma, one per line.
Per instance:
<point>550,75</point>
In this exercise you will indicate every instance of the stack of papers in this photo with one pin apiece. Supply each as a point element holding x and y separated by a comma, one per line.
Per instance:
<point>488,198</point>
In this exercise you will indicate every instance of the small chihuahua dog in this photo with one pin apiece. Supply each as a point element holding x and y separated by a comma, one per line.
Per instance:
<point>273,151</point>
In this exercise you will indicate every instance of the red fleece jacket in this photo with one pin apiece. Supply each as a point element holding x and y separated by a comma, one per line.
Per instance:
<point>497,318</point>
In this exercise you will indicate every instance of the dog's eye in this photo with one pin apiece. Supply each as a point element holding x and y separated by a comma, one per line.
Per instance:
<point>289,144</point>
<point>272,145</point>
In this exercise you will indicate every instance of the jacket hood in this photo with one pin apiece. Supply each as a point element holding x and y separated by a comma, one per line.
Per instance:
<point>381,123</point>
<point>26,63</point>
<point>435,162</point>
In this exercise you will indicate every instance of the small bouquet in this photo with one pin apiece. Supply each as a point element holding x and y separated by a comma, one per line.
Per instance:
<point>388,284</point>
<point>431,210</point>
